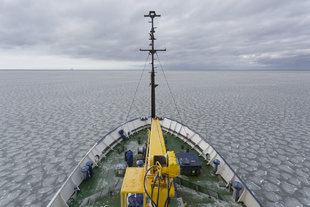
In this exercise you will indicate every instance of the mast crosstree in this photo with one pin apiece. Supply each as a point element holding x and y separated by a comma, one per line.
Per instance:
<point>152,51</point>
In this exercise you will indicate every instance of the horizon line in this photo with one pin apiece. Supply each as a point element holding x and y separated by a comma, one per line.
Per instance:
<point>145,69</point>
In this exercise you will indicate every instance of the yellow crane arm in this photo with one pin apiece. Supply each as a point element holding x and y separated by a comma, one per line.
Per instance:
<point>155,179</point>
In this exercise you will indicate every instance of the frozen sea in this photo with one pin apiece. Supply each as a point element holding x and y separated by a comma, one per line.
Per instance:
<point>258,120</point>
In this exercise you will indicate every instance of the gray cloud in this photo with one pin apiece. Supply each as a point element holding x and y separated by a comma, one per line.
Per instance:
<point>233,34</point>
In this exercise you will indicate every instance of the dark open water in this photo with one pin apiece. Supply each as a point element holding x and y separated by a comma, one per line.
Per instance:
<point>259,121</point>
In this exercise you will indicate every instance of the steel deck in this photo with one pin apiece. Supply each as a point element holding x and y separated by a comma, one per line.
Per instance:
<point>103,189</point>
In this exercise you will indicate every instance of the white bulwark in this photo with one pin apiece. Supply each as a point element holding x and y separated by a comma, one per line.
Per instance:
<point>110,140</point>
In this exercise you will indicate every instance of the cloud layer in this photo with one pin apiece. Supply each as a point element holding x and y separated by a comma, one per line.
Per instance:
<point>198,34</point>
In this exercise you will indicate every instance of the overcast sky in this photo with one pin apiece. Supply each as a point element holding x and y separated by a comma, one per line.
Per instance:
<point>198,34</point>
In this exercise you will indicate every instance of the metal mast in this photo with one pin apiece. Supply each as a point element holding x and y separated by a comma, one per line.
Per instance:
<point>152,51</point>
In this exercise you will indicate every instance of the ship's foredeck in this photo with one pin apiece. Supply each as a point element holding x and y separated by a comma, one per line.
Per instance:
<point>103,188</point>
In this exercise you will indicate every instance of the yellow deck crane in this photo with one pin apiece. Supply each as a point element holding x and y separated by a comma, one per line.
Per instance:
<point>154,181</point>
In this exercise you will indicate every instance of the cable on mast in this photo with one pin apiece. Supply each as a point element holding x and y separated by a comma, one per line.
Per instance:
<point>134,96</point>
<point>171,94</point>
<point>152,51</point>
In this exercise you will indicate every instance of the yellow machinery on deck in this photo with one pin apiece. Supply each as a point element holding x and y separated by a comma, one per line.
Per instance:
<point>151,185</point>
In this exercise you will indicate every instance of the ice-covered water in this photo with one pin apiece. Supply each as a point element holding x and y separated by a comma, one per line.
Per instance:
<point>259,121</point>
